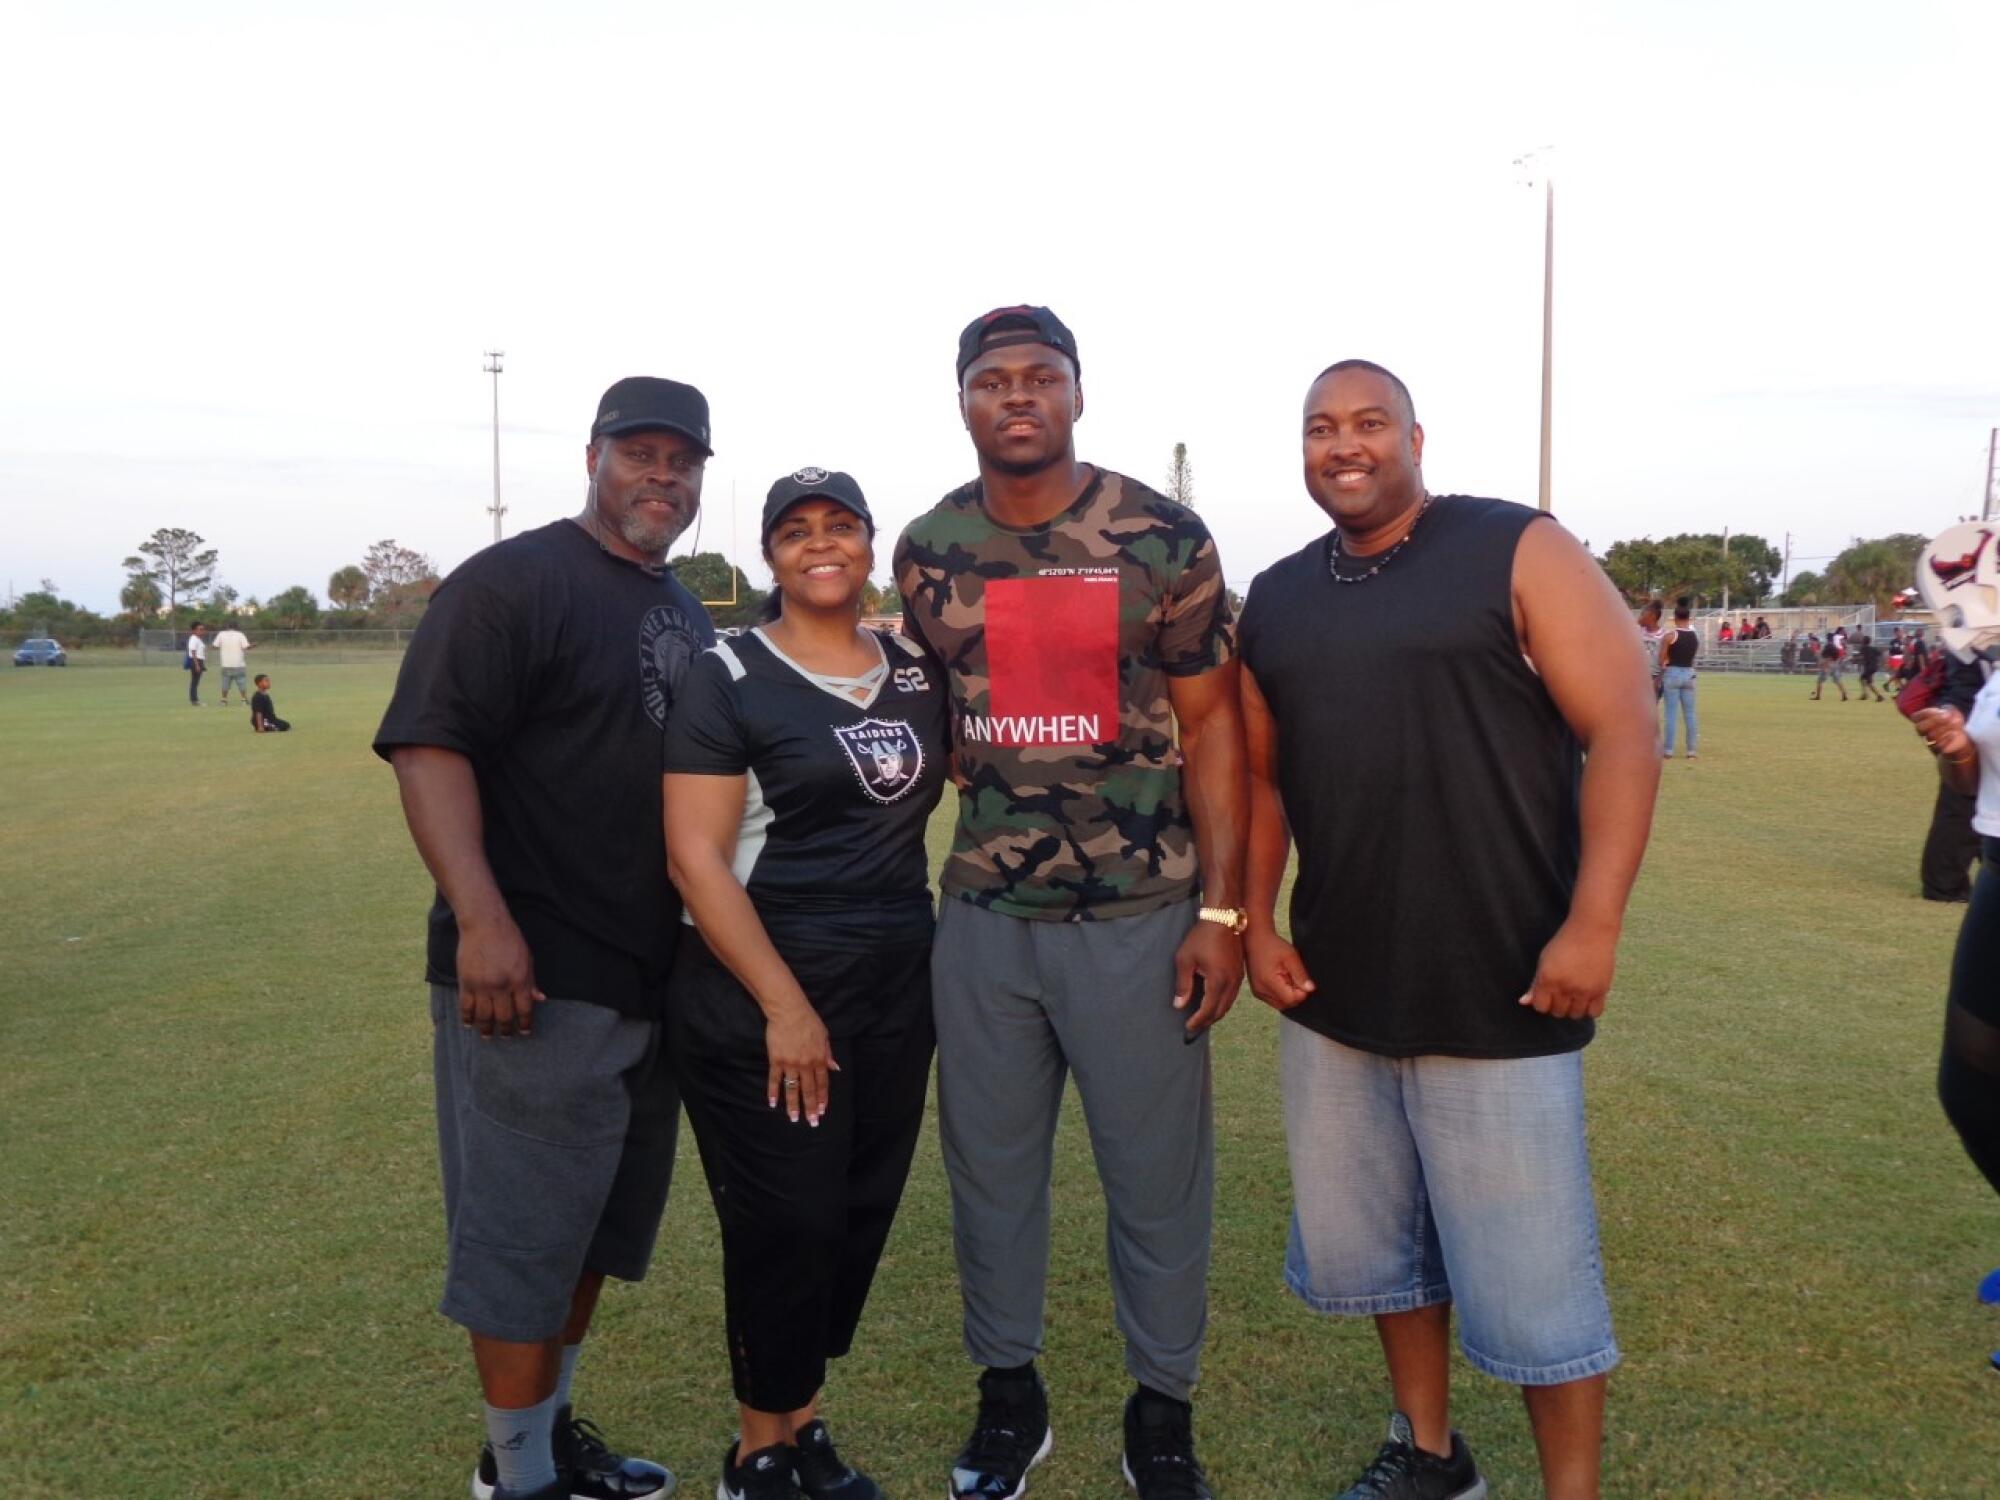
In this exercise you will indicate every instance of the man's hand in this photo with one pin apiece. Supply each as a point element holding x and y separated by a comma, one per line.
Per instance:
<point>1277,974</point>
<point>1216,954</point>
<point>496,979</point>
<point>801,1056</point>
<point>1574,975</point>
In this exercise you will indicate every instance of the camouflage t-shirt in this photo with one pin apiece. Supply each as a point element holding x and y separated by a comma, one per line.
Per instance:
<point>1059,640</point>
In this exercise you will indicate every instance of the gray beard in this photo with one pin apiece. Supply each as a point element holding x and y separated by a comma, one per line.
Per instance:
<point>648,536</point>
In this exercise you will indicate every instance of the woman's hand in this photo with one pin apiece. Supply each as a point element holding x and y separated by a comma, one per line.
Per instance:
<point>1943,730</point>
<point>801,1056</point>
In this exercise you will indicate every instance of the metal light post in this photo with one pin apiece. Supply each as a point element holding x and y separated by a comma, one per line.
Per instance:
<point>493,358</point>
<point>1536,171</point>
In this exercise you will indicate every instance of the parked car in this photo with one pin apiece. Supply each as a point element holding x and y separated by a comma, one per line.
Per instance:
<point>40,651</point>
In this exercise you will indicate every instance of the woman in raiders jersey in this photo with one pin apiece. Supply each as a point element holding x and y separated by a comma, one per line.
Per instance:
<point>802,763</point>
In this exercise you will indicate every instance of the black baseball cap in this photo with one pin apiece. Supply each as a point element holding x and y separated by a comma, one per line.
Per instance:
<point>810,484</point>
<point>641,401</point>
<point>1015,325</point>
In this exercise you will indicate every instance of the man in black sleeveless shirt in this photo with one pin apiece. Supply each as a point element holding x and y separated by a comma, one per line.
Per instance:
<point>1422,685</point>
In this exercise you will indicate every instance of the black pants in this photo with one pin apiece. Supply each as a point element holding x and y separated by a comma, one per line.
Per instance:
<point>804,1211</point>
<point>1951,847</point>
<point>194,682</point>
<point>1969,1070</point>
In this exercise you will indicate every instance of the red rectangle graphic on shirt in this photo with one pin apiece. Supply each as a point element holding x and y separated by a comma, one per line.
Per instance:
<point>1052,660</point>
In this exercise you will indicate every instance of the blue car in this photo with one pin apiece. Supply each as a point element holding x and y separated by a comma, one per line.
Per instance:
<point>41,652</point>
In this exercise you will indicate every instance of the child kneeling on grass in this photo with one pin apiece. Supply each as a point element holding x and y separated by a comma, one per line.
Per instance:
<point>263,717</point>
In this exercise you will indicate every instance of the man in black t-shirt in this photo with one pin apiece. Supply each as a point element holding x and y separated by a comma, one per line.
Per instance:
<point>1420,688</point>
<point>525,732</point>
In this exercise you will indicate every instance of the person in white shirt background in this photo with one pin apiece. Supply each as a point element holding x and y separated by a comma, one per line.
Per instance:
<point>231,645</point>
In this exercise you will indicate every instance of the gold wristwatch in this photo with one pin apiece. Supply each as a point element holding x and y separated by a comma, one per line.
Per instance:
<point>1235,918</point>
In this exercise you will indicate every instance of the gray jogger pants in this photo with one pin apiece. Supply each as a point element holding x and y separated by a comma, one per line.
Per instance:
<point>1020,1004</point>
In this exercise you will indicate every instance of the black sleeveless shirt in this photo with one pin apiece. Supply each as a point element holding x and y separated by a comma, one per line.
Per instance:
<point>1430,785</point>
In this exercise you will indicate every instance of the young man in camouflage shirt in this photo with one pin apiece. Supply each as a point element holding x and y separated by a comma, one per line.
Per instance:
<point>1080,619</point>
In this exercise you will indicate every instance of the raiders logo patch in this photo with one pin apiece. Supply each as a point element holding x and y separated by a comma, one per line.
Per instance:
<point>887,756</point>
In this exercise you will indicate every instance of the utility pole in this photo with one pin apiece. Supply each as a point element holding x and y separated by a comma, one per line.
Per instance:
<point>1785,573</point>
<point>493,358</point>
<point>1987,500</point>
<point>1725,570</point>
<point>1535,168</point>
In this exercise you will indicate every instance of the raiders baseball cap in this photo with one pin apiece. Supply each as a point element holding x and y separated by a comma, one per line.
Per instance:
<point>1015,325</point>
<point>810,484</point>
<point>641,401</point>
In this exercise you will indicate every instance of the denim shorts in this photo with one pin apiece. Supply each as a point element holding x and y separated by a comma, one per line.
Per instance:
<point>1421,1180</point>
<point>557,1151</point>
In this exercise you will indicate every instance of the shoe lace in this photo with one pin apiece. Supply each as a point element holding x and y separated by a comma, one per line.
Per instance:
<point>589,1453</point>
<point>999,1435</point>
<point>1164,1465</point>
<point>1393,1461</point>
<point>817,1465</point>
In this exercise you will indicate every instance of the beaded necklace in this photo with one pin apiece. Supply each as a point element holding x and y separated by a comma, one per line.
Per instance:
<point>1335,552</point>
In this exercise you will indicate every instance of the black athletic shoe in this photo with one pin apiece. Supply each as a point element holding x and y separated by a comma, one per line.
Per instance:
<point>763,1475</point>
<point>1009,1437</point>
<point>1403,1471</point>
<point>818,1470</point>
<point>1159,1450</point>
<point>586,1461</point>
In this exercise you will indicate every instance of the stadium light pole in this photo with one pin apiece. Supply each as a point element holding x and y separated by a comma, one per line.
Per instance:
<point>493,358</point>
<point>1535,169</point>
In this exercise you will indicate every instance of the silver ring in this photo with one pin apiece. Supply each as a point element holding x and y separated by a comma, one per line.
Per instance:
<point>791,1083</point>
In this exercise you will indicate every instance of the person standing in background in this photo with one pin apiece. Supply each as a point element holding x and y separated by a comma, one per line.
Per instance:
<point>197,660</point>
<point>1651,638</point>
<point>1677,654</point>
<point>231,645</point>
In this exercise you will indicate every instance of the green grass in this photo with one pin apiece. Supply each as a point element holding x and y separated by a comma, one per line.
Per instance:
<point>220,1238</point>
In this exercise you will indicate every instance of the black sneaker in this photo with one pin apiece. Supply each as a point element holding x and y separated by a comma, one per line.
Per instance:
<point>818,1470</point>
<point>1159,1450</point>
<point>586,1461</point>
<point>763,1475</point>
<point>1403,1471</point>
<point>597,1473</point>
<point>1009,1437</point>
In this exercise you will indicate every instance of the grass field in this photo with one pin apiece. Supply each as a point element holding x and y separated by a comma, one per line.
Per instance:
<point>220,1239</point>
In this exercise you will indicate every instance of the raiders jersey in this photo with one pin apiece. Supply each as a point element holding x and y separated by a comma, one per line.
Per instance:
<point>838,790</point>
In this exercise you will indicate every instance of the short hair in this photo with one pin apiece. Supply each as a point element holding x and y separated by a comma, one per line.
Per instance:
<point>262,677</point>
<point>197,626</point>
<point>1684,610</point>
<point>1409,404</point>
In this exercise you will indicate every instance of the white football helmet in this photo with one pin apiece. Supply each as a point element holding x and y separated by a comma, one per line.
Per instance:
<point>1958,575</point>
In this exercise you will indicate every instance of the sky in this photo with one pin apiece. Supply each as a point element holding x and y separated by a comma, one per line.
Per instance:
<point>255,255</point>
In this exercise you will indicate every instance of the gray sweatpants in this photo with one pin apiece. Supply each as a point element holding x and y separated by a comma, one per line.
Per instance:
<point>1019,1005</point>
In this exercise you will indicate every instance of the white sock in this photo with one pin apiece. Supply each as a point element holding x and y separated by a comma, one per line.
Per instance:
<point>570,1352</point>
<point>522,1446</point>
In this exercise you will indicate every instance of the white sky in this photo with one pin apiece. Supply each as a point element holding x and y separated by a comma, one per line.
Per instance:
<point>253,254</point>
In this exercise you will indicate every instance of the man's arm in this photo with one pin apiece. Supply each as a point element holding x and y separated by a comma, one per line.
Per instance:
<point>1277,974</point>
<point>1570,621</point>
<point>496,973</point>
<point>1211,735</point>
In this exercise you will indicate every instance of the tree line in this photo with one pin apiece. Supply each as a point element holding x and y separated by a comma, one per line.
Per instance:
<point>1695,566</point>
<point>173,579</point>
